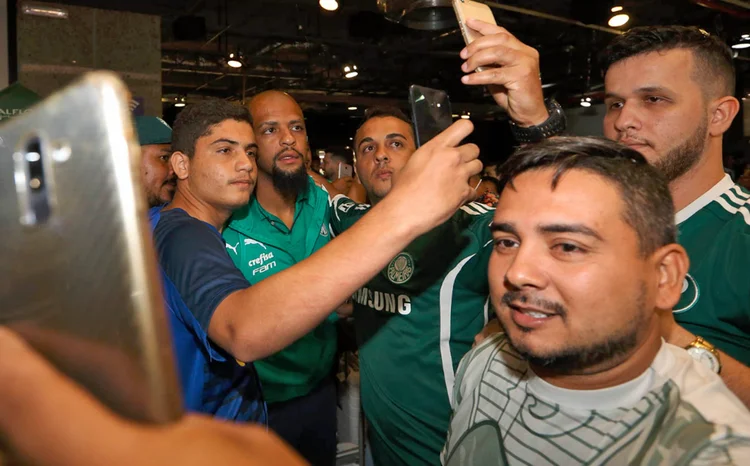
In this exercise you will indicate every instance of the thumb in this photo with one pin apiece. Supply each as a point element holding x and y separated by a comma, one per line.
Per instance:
<point>451,136</point>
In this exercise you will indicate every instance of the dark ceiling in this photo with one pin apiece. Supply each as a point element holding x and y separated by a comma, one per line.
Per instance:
<point>297,46</point>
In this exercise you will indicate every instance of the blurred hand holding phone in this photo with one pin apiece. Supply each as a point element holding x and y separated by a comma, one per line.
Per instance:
<point>80,279</point>
<point>345,170</point>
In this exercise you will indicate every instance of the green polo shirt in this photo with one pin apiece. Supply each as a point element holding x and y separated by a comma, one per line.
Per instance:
<point>261,245</point>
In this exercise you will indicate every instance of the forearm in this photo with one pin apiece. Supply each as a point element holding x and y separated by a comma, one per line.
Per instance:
<point>734,374</point>
<point>47,419</point>
<point>277,311</point>
<point>737,377</point>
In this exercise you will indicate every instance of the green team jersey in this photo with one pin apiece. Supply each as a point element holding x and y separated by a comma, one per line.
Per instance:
<point>261,245</point>
<point>677,412</point>
<point>715,302</point>
<point>414,322</point>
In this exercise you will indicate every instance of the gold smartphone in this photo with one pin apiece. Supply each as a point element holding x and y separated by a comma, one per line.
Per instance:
<point>466,9</point>
<point>79,276</point>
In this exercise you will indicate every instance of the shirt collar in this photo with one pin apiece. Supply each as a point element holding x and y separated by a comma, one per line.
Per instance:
<point>705,199</point>
<point>624,395</point>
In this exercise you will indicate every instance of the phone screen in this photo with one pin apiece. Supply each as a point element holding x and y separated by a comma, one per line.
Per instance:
<point>430,112</point>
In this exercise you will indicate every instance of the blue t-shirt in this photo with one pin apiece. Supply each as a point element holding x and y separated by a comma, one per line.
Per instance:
<point>197,275</point>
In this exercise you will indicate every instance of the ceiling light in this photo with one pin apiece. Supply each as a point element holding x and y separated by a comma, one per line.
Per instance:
<point>180,102</point>
<point>465,117</point>
<point>586,103</point>
<point>615,9</point>
<point>351,108</point>
<point>620,19</point>
<point>44,10</point>
<point>743,43</point>
<point>234,60</point>
<point>329,5</point>
<point>350,71</point>
<point>588,99</point>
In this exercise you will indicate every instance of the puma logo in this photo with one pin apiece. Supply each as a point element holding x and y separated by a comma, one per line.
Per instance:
<point>252,241</point>
<point>233,248</point>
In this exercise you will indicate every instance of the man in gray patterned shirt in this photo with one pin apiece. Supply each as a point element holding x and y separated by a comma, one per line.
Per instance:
<point>585,260</point>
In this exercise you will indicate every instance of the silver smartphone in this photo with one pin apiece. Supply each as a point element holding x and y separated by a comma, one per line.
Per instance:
<point>345,170</point>
<point>79,276</point>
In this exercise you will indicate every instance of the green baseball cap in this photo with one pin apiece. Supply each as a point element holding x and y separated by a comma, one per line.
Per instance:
<point>152,130</point>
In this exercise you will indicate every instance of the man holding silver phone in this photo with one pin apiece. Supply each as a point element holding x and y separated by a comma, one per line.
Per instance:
<point>669,95</point>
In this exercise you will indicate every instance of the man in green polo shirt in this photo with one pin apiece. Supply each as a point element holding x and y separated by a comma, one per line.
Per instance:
<point>285,222</point>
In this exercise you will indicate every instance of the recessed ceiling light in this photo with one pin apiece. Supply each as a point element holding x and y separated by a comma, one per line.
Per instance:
<point>329,5</point>
<point>618,20</point>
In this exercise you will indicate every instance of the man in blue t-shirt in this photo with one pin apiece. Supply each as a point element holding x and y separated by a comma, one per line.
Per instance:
<point>220,324</point>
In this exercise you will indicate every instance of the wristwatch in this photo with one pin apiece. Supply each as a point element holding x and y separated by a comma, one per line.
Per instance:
<point>705,353</point>
<point>552,126</point>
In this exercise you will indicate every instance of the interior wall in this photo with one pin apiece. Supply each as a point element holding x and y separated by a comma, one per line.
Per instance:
<point>585,121</point>
<point>54,51</point>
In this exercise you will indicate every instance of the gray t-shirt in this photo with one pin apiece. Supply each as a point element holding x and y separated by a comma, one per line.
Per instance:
<point>676,413</point>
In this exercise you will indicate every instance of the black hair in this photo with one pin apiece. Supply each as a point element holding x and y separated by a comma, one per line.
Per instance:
<point>196,121</point>
<point>384,111</point>
<point>648,206</point>
<point>713,58</point>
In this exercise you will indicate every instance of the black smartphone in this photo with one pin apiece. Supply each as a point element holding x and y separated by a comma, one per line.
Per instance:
<point>430,112</point>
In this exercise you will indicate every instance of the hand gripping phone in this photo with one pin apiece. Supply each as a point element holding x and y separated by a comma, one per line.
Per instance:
<point>80,281</point>
<point>430,112</point>
<point>467,9</point>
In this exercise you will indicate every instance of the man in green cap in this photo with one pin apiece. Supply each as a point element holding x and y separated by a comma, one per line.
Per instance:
<point>155,138</point>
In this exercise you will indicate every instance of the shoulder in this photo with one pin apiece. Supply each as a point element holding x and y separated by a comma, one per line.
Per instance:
<point>317,192</point>
<point>476,209</point>
<point>177,233</point>
<point>343,204</point>
<point>702,389</point>
<point>477,218</point>
<point>733,208</point>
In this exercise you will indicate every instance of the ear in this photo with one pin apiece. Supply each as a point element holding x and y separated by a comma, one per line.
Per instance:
<point>723,111</point>
<point>180,165</point>
<point>672,265</point>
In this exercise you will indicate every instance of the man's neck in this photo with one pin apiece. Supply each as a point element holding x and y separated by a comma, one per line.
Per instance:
<point>374,200</point>
<point>185,200</point>
<point>703,176</point>
<point>272,200</point>
<point>629,368</point>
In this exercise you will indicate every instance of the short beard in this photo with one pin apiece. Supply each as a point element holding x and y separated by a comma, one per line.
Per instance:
<point>681,159</point>
<point>289,184</point>
<point>582,358</point>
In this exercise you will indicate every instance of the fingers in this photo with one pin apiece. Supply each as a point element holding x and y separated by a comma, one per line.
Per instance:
<point>498,36</point>
<point>452,136</point>
<point>468,152</point>
<point>497,56</point>
<point>506,77</point>
<point>473,167</point>
<point>484,27</point>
